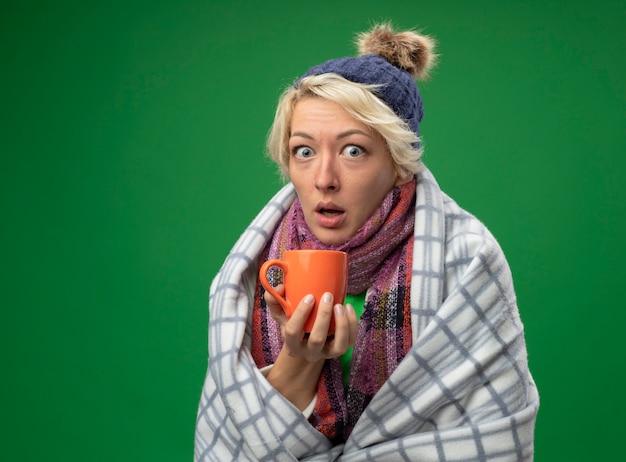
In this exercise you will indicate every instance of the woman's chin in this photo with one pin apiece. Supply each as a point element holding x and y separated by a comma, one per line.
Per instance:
<point>332,237</point>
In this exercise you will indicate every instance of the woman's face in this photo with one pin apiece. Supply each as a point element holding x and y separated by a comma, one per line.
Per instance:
<point>340,167</point>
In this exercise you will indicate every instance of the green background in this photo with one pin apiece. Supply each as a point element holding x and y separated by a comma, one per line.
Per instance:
<point>131,150</point>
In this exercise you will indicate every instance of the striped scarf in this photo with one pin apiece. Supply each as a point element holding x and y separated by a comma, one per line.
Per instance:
<point>380,261</point>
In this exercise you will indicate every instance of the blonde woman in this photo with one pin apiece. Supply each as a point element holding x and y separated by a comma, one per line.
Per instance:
<point>428,359</point>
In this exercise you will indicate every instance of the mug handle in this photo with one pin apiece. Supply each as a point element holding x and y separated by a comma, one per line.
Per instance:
<point>265,283</point>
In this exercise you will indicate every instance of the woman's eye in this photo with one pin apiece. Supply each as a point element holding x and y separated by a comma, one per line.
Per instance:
<point>303,152</point>
<point>353,151</point>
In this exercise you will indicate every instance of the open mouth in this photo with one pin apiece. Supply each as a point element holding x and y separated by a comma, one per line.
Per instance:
<point>330,212</point>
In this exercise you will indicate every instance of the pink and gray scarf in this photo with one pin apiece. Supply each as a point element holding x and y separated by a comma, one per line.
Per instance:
<point>380,261</point>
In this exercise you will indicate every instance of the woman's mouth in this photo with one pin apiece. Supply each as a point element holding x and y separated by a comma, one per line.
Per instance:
<point>330,212</point>
<point>329,215</point>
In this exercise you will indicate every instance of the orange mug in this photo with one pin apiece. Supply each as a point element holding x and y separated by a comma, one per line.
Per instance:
<point>309,272</point>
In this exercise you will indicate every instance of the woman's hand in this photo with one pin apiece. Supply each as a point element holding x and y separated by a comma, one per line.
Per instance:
<point>299,364</point>
<point>318,344</point>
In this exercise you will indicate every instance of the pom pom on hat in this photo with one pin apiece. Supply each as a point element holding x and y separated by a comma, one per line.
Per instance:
<point>407,50</point>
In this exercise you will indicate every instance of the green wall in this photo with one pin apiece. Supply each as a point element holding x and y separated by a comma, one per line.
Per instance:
<point>131,147</point>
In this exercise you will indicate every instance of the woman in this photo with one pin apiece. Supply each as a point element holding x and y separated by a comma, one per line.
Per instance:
<point>428,359</point>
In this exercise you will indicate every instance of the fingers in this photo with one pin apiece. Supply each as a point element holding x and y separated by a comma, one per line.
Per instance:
<point>345,331</point>
<point>270,299</point>
<point>311,346</point>
<point>353,323</point>
<point>318,344</point>
<point>319,334</point>
<point>294,328</point>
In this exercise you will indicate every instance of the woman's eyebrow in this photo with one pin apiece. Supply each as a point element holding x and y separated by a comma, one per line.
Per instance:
<point>341,135</point>
<point>302,135</point>
<point>354,131</point>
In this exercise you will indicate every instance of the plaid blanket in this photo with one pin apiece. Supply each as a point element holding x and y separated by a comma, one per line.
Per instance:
<point>463,392</point>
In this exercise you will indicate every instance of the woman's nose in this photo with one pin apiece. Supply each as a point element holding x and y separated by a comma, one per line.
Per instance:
<point>326,177</point>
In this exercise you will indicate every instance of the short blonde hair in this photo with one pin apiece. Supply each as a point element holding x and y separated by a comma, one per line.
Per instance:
<point>360,102</point>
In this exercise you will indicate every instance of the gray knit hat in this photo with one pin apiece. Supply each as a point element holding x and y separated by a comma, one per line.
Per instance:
<point>392,61</point>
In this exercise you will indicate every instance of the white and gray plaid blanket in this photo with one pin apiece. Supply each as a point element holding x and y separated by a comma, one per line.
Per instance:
<point>463,393</point>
